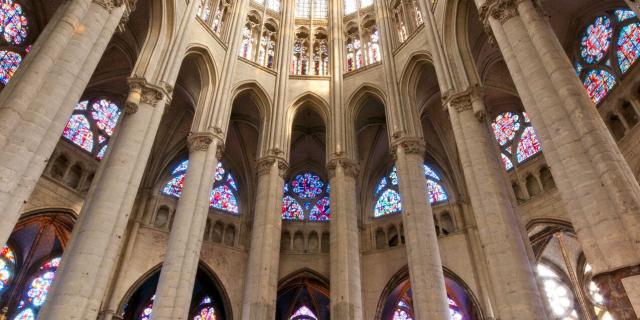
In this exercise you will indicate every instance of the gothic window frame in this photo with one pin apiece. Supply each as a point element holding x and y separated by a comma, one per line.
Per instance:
<point>260,34</point>
<point>407,19</point>
<point>319,202</point>
<point>510,145</point>
<point>403,308</point>
<point>545,271</point>
<point>310,37</point>
<point>362,42</point>
<point>41,271</point>
<point>216,19</point>
<point>14,48</point>
<point>101,131</point>
<point>224,182</point>
<point>598,66</point>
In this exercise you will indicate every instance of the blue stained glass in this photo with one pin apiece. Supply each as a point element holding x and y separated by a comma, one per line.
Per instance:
<point>181,167</point>
<point>394,176</point>
<point>429,173</point>
<point>13,22</point>
<point>106,115</point>
<point>174,186</point>
<point>307,185</point>
<point>303,313</point>
<point>78,131</point>
<point>508,165</point>
<point>7,266</point>
<point>321,210</point>
<point>220,171</point>
<point>505,127</point>
<point>579,68</point>
<point>381,185</point>
<point>82,105</point>
<point>628,46</point>
<point>596,40</point>
<point>9,63</point>
<point>232,182</point>
<point>291,209</point>
<point>306,196</point>
<point>598,83</point>
<point>528,146</point>
<point>222,198</point>
<point>26,314</point>
<point>436,192</point>
<point>624,14</point>
<point>388,203</point>
<point>102,152</point>
<point>36,295</point>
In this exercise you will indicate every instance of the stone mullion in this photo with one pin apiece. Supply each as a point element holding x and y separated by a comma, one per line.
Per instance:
<point>177,276</point>
<point>346,291</point>
<point>499,230</point>
<point>423,254</point>
<point>40,106</point>
<point>261,281</point>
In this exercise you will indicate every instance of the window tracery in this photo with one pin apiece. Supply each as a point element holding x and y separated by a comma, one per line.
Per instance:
<point>306,196</point>
<point>388,200</point>
<point>215,14</point>
<point>311,45</point>
<point>403,309</point>
<point>7,268</point>
<point>559,295</point>
<point>406,17</point>
<point>92,124</point>
<point>35,295</point>
<point>224,194</point>
<point>362,37</point>
<point>517,138</point>
<point>14,43</point>
<point>608,48</point>
<point>260,37</point>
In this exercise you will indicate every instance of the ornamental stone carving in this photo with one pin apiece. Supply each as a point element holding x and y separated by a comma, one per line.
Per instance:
<point>109,5</point>
<point>501,10</point>
<point>140,91</point>
<point>349,167</point>
<point>461,103</point>
<point>266,163</point>
<point>409,145</point>
<point>200,141</point>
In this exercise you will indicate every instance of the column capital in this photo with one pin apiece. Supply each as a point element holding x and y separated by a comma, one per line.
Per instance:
<point>109,5</point>
<point>501,10</point>
<point>410,145</point>
<point>200,141</point>
<point>142,91</point>
<point>350,167</point>
<point>273,157</point>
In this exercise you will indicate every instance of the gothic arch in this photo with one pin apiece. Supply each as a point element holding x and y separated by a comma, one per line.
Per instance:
<point>317,105</point>
<point>456,42</point>
<point>301,287</point>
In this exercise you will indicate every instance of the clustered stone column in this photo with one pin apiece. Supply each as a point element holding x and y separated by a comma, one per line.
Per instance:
<point>510,269</point>
<point>346,294</point>
<point>425,265</point>
<point>39,100</point>
<point>261,281</point>
<point>595,182</point>
<point>178,273</point>
<point>82,277</point>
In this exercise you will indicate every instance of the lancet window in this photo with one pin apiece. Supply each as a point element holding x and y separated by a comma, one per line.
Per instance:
<point>560,297</point>
<point>306,197</point>
<point>517,138</point>
<point>215,13</point>
<point>362,39</point>
<point>311,43</point>
<point>15,41</point>
<point>35,294</point>
<point>403,308</point>
<point>387,192</point>
<point>224,195</point>
<point>260,36</point>
<point>92,124</point>
<point>609,46</point>
<point>406,17</point>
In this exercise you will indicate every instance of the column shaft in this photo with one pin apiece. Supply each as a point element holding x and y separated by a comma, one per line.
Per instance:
<point>261,282</point>
<point>346,294</point>
<point>425,265</point>
<point>177,277</point>
<point>90,256</point>
<point>512,276</point>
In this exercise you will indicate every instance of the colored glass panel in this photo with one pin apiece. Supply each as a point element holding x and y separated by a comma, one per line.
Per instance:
<point>13,22</point>
<point>9,63</point>
<point>78,131</point>
<point>291,209</point>
<point>596,40</point>
<point>381,185</point>
<point>624,14</point>
<point>220,171</point>
<point>598,83</point>
<point>388,203</point>
<point>222,198</point>
<point>35,296</point>
<point>7,265</point>
<point>321,210</point>
<point>174,186</point>
<point>528,145</point>
<point>181,167</point>
<point>508,164</point>
<point>146,312</point>
<point>505,127</point>
<point>206,313</point>
<point>436,192</point>
<point>26,314</point>
<point>628,46</point>
<point>454,310</point>
<point>303,313</point>
<point>82,105</point>
<point>307,185</point>
<point>106,115</point>
<point>394,176</point>
<point>401,314</point>
<point>429,173</point>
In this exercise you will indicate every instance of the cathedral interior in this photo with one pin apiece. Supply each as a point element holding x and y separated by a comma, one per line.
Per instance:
<point>318,159</point>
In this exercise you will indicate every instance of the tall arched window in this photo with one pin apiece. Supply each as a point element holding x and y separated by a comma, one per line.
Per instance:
<point>206,310</point>
<point>14,43</point>
<point>7,268</point>
<point>517,138</point>
<point>388,194</point>
<point>311,46</point>
<point>306,196</point>
<point>215,14</point>
<point>224,195</point>
<point>259,37</point>
<point>92,124</point>
<point>406,17</point>
<point>559,295</point>
<point>362,37</point>
<point>403,306</point>
<point>608,48</point>
<point>303,313</point>
<point>35,295</point>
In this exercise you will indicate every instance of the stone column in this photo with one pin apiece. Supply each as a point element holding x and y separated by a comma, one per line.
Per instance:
<point>87,262</point>
<point>501,235</point>
<point>346,294</point>
<point>37,103</point>
<point>600,192</point>
<point>425,266</point>
<point>261,282</point>
<point>178,273</point>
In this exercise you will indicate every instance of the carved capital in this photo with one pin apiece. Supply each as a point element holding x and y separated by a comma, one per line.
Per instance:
<point>140,91</point>
<point>501,10</point>
<point>267,162</point>
<point>220,151</point>
<point>461,103</point>
<point>409,145</point>
<point>109,5</point>
<point>349,166</point>
<point>200,141</point>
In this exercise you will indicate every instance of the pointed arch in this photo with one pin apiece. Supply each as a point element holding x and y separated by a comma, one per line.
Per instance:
<point>304,287</point>
<point>258,95</point>
<point>200,87</point>
<point>409,81</point>
<point>307,100</point>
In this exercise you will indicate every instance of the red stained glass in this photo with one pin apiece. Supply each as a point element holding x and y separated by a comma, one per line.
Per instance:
<point>13,22</point>
<point>9,63</point>
<point>596,40</point>
<point>78,131</point>
<point>528,145</point>
<point>628,46</point>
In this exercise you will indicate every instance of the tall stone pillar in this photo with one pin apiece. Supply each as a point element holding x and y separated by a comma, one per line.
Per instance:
<point>87,262</point>
<point>261,282</point>
<point>501,236</point>
<point>425,266</point>
<point>595,182</point>
<point>37,103</point>
<point>346,284</point>
<point>178,273</point>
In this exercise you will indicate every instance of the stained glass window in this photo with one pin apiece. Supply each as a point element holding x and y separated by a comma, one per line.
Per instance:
<point>206,310</point>
<point>306,196</point>
<point>303,313</point>
<point>560,297</point>
<point>224,194</point>
<point>36,294</point>
<point>7,267</point>
<point>14,27</point>
<point>91,125</point>
<point>609,47</point>
<point>404,309</point>
<point>513,131</point>
<point>145,314</point>
<point>9,63</point>
<point>437,193</point>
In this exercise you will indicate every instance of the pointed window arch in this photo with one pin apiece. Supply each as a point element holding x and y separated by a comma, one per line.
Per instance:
<point>306,197</point>
<point>403,308</point>
<point>35,294</point>
<point>206,310</point>
<point>303,313</point>
<point>224,194</point>
<point>517,138</point>
<point>559,295</point>
<point>608,48</point>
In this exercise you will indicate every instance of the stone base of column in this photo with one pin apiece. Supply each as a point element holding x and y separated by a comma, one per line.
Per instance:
<point>343,310</point>
<point>260,311</point>
<point>621,291</point>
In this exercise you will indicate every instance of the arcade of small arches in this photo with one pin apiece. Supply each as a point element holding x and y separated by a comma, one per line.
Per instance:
<point>316,159</point>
